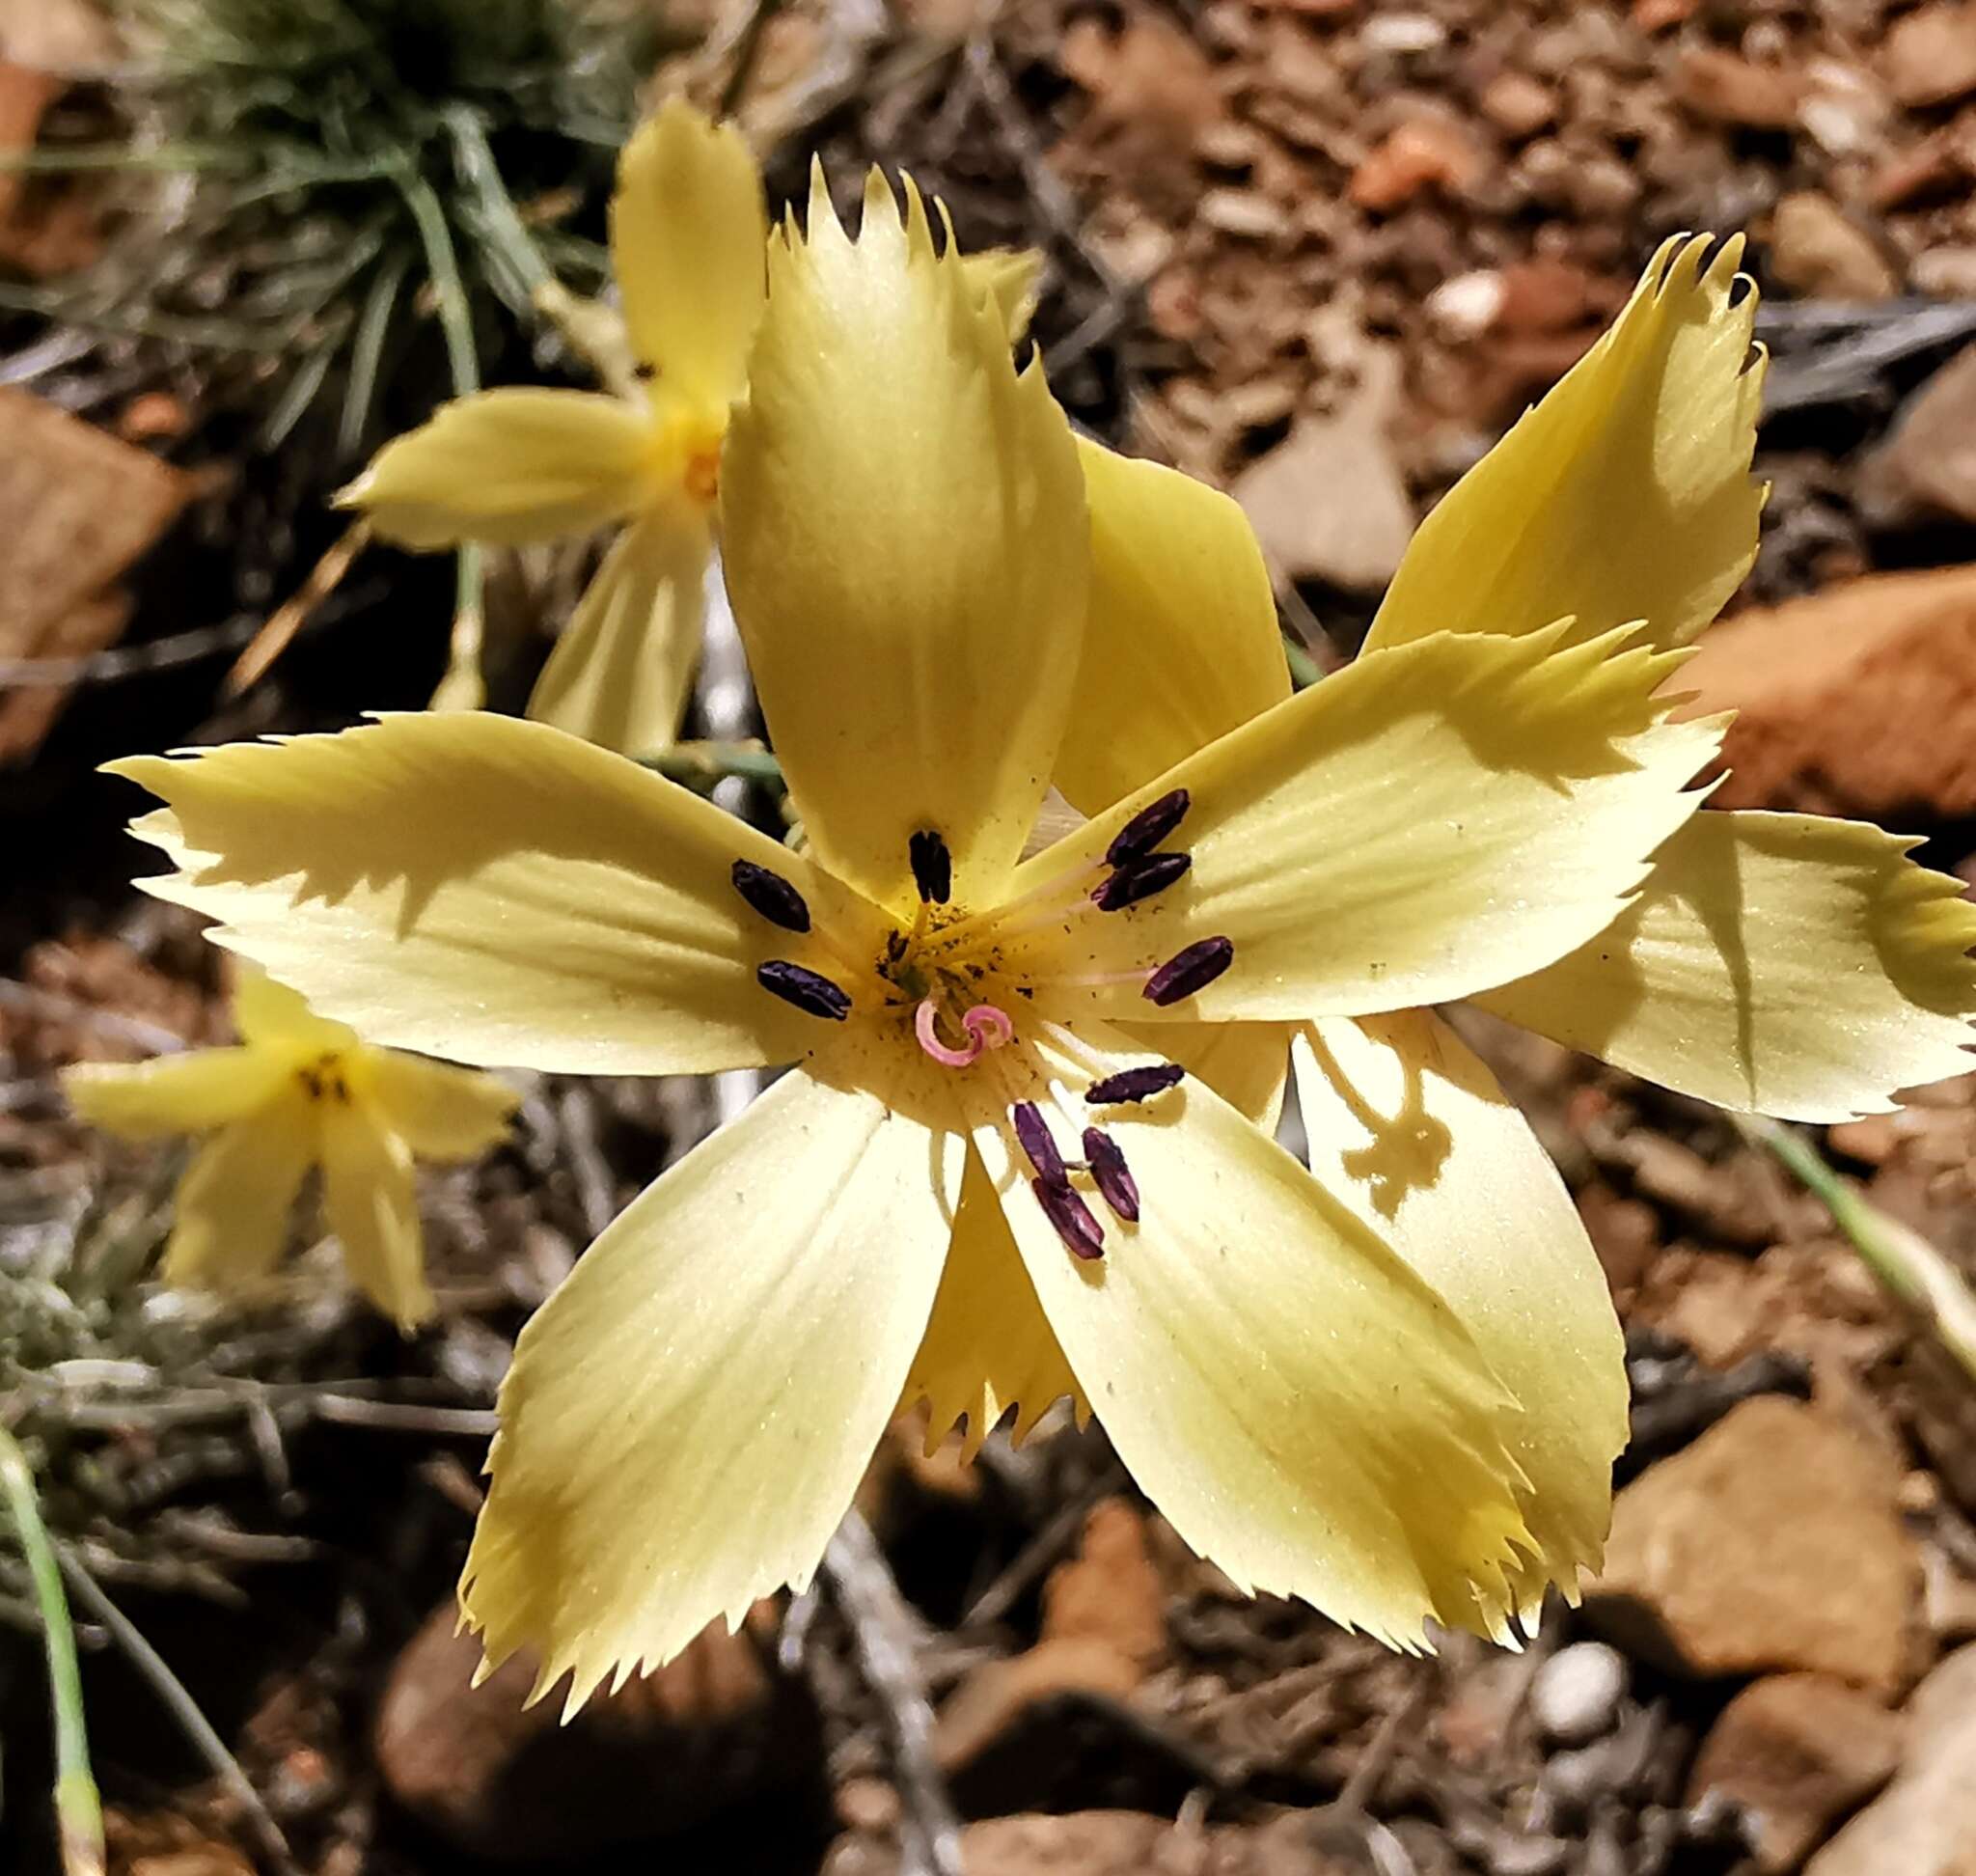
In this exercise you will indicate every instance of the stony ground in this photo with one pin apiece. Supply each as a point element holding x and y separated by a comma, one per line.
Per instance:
<point>1320,252</point>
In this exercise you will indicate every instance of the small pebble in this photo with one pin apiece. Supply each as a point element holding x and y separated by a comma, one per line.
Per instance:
<point>1577,1693</point>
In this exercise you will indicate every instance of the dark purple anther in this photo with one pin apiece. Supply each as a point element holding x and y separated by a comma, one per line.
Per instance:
<point>1134,1084</point>
<point>772,896</point>
<point>1082,1233</point>
<point>1139,879</point>
<point>1120,1190</point>
<point>1034,1131</point>
<point>1147,828</point>
<point>812,992</point>
<point>1189,971</point>
<point>932,867</point>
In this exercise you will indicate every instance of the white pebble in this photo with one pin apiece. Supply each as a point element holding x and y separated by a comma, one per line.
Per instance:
<point>1577,1693</point>
<point>1467,306</point>
<point>1403,33</point>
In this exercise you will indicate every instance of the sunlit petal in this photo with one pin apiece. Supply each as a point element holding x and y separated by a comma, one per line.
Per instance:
<point>1248,1064</point>
<point>1300,1406</point>
<point>1624,494</point>
<point>688,233</point>
<point>687,1418</point>
<point>233,1205</point>
<point>1181,643</point>
<point>489,891</point>
<point>905,543</point>
<point>1010,278</point>
<point>172,1094</point>
<point>1410,1130</point>
<point>438,1110</point>
<point>622,669</point>
<point>1422,825</point>
<point>370,1196</point>
<point>508,467</point>
<point>1781,963</point>
<point>988,1346</point>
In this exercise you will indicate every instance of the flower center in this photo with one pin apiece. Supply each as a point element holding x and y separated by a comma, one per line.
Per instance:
<point>945,981</point>
<point>683,451</point>
<point>323,1078</point>
<point>953,977</point>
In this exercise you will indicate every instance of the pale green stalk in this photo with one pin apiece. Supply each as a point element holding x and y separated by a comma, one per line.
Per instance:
<point>78,1811</point>
<point>1909,1267</point>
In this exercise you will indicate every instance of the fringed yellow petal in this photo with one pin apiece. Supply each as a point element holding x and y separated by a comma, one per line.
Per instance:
<point>440,1112</point>
<point>622,670</point>
<point>1624,494</point>
<point>491,891</point>
<point>687,1417</point>
<point>370,1196</point>
<point>988,1346</point>
<point>1300,1406</point>
<point>173,1095</point>
<point>235,1202</point>
<point>508,467</point>
<point>1010,278</point>
<point>1410,1130</point>
<point>688,234</point>
<point>1421,826</point>
<point>1782,964</point>
<point>1181,643</point>
<point>904,535</point>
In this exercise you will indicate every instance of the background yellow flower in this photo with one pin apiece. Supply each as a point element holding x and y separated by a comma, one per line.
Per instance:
<point>298,1092</point>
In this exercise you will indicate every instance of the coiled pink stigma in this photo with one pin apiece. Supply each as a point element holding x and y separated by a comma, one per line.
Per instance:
<point>987,1028</point>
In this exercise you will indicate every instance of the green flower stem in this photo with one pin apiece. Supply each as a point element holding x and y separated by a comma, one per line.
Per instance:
<point>1909,1268</point>
<point>78,1811</point>
<point>701,763</point>
<point>461,688</point>
<point>1304,670</point>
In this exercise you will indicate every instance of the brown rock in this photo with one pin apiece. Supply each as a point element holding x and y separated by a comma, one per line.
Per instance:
<point>996,1696</point>
<point>1725,89</point>
<point>1815,250</point>
<point>1859,701</point>
<point>1656,16</point>
<point>1930,459</point>
<point>1518,104</point>
<point>1328,502</point>
<point>1925,1823</point>
<point>1154,94</point>
<point>1771,1543</point>
<point>1794,1752</point>
<point>500,1779</point>
<point>1109,1592</point>
<point>1551,295</point>
<point>1930,55</point>
<point>77,507</point>
<point>1424,152</point>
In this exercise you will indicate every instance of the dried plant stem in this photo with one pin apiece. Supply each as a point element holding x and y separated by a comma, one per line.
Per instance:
<point>78,1811</point>
<point>882,1625</point>
<point>183,1708</point>
<point>1909,1267</point>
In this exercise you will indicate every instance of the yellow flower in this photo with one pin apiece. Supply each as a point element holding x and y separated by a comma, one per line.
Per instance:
<point>1784,964</point>
<point>688,234</point>
<point>987,1180</point>
<point>298,1091</point>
